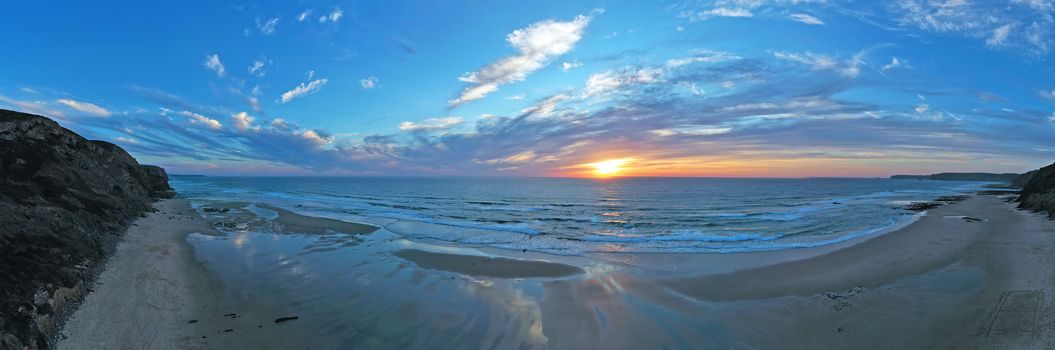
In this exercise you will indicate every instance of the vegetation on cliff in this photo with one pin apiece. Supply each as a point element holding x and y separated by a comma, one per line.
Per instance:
<point>64,201</point>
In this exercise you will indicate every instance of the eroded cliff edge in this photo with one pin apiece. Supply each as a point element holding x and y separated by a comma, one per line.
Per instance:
<point>64,202</point>
<point>1038,191</point>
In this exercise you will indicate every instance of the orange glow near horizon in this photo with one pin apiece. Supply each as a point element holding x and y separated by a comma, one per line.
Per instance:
<point>642,164</point>
<point>609,167</point>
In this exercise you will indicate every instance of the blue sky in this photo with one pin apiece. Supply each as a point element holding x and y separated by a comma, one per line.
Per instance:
<point>705,88</point>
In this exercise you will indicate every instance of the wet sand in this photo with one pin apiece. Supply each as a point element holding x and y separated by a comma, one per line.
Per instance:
<point>293,222</point>
<point>942,282</point>
<point>487,266</point>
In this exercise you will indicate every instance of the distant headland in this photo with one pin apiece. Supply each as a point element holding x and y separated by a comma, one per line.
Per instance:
<point>1005,177</point>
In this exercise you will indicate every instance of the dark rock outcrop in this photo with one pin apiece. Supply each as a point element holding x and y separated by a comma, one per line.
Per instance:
<point>1038,194</point>
<point>1022,180</point>
<point>1008,177</point>
<point>64,201</point>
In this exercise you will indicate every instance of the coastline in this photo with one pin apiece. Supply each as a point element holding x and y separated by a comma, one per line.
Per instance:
<point>879,283</point>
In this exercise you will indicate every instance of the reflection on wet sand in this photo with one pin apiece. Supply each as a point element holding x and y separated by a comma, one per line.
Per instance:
<point>380,290</point>
<point>487,266</point>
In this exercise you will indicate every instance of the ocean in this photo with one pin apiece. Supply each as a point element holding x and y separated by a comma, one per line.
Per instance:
<point>570,216</point>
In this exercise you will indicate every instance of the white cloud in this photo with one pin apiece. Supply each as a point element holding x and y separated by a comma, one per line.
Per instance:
<point>536,45</point>
<point>567,66</point>
<point>259,67</point>
<point>702,57</point>
<point>127,140</point>
<point>999,35</point>
<point>303,16</point>
<point>519,158</point>
<point>807,19</point>
<point>923,108</point>
<point>545,108</point>
<point>720,12</point>
<point>691,87</point>
<point>34,107</point>
<point>314,138</point>
<point>516,97</point>
<point>243,121</point>
<point>1047,95</point>
<point>693,131</point>
<point>431,124</point>
<point>303,89</point>
<point>368,83</point>
<point>333,16</point>
<point>279,123</point>
<point>86,107</point>
<point>213,62</point>
<point>196,118</point>
<point>606,83</point>
<point>267,27</point>
<point>894,63</point>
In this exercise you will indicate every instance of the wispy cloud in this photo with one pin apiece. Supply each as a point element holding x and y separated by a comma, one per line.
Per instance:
<point>332,17</point>
<point>807,19</point>
<point>567,66</point>
<point>213,62</point>
<point>259,67</point>
<point>303,89</point>
<point>196,118</point>
<point>86,107</point>
<point>267,26</point>
<point>431,124</point>
<point>822,62</point>
<point>536,45</point>
<point>1025,24</point>
<point>894,63</point>
<point>368,82</point>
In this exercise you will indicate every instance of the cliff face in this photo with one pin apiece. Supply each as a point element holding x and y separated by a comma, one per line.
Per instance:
<point>64,201</point>
<point>1022,180</point>
<point>1038,194</point>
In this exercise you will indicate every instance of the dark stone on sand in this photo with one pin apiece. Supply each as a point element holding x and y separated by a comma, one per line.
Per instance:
<point>64,202</point>
<point>287,318</point>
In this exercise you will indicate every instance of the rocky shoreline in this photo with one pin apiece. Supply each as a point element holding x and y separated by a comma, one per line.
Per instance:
<point>65,201</point>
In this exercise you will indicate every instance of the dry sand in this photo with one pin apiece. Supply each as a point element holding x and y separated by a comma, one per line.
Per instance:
<point>154,295</point>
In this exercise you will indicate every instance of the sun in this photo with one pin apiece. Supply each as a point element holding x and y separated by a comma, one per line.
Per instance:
<point>609,167</point>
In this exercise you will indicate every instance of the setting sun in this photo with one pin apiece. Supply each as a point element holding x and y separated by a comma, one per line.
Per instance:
<point>609,167</point>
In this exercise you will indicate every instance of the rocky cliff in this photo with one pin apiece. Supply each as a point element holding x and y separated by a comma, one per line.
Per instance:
<point>1038,194</point>
<point>64,201</point>
<point>1023,179</point>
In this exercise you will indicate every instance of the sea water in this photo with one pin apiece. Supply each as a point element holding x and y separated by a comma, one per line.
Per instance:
<point>571,216</point>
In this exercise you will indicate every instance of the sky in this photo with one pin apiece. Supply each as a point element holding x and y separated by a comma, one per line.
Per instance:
<point>727,88</point>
